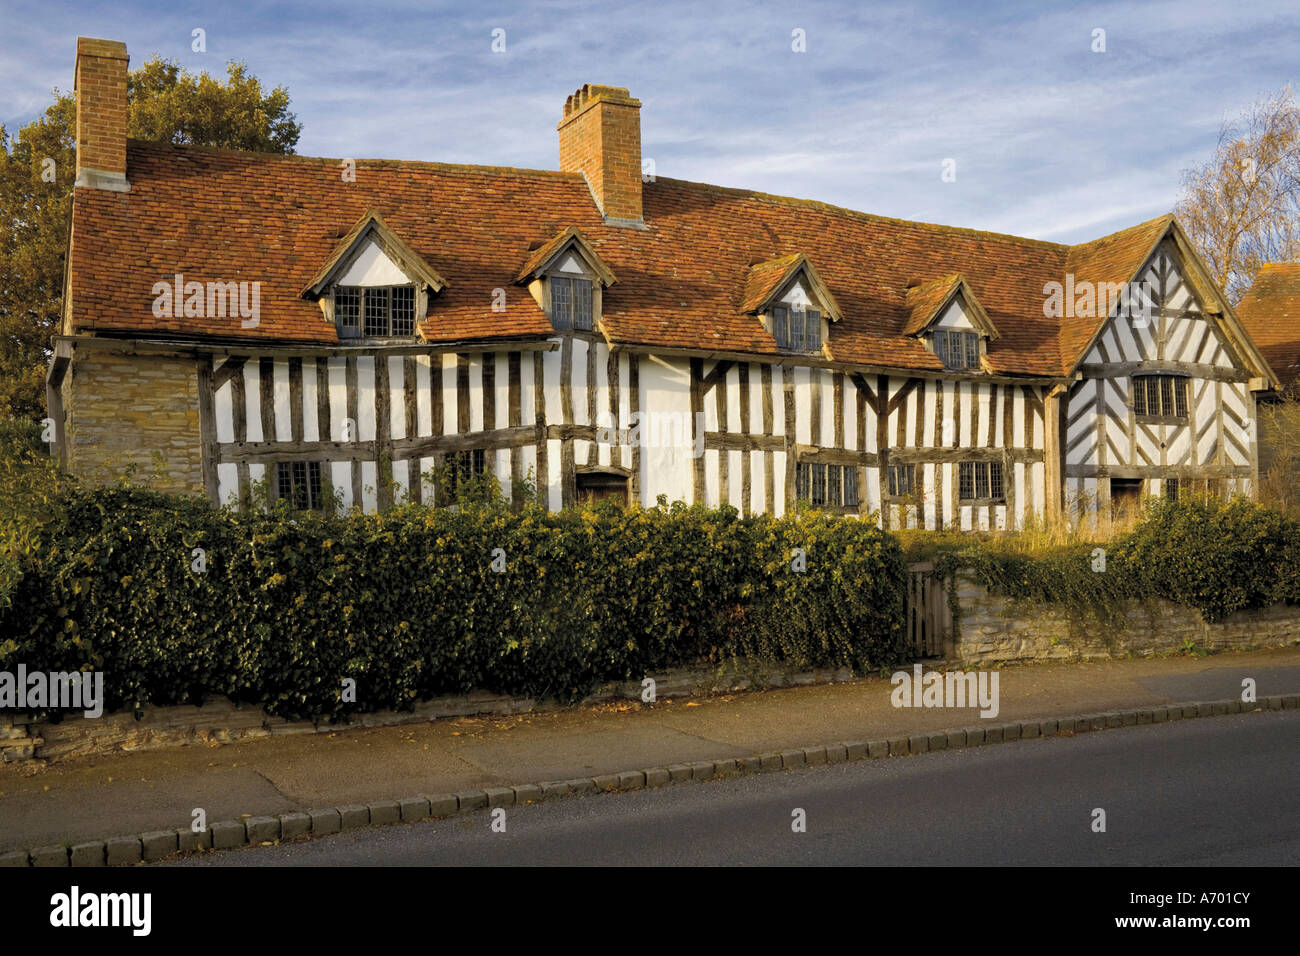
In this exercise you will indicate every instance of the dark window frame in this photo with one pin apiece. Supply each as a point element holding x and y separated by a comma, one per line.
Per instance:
<point>299,483</point>
<point>981,482</point>
<point>459,466</point>
<point>1160,398</point>
<point>361,304</point>
<point>900,481</point>
<point>797,329</point>
<point>957,349</point>
<point>573,303</point>
<point>827,485</point>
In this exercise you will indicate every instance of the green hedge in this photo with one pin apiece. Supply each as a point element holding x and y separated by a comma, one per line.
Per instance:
<point>1216,556</point>
<point>1206,553</point>
<point>407,603</point>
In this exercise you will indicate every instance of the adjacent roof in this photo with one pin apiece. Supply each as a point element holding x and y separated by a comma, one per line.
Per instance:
<point>688,281</point>
<point>1113,258</point>
<point>1270,312</point>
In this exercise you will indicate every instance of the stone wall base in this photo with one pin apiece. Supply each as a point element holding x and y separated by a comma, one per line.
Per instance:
<point>992,629</point>
<point>219,720</point>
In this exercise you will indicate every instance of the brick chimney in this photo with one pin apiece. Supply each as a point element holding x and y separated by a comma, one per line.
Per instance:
<point>100,84</point>
<point>600,137</point>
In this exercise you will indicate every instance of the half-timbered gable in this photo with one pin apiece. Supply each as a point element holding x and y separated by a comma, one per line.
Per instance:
<point>1162,401</point>
<point>385,329</point>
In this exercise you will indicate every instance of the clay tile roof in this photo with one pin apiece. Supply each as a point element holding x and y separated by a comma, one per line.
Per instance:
<point>1270,312</point>
<point>687,281</point>
<point>765,280</point>
<point>407,258</point>
<point>924,301</point>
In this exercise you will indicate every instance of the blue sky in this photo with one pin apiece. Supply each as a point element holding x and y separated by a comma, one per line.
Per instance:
<point>1051,140</point>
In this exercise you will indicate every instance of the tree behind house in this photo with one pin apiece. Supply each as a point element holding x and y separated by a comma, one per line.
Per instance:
<point>1242,208</point>
<point>166,104</point>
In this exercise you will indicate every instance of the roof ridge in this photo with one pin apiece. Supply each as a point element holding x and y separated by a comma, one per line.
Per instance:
<point>250,154</point>
<point>1164,218</point>
<point>947,277</point>
<point>869,216</point>
<point>578,177</point>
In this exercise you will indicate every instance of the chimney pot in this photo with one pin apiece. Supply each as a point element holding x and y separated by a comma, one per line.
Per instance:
<point>600,137</point>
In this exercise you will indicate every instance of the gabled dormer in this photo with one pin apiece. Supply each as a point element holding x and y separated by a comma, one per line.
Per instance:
<point>374,286</point>
<point>792,302</point>
<point>947,317</point>
<point>568,279</point>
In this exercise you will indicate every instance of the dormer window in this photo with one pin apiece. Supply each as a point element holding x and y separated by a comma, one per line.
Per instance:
<point>946,316</point>
<point>796,328</point>
<point>571,303</point>
<point>792,302</point>
<point>568,280</point>
<point>384,312</point>
<point>374,286</point>
<point>957,349</point>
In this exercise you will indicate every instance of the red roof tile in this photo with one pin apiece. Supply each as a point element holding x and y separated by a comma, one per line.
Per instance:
<point>764,280</point>
<point>225,215</point>
<point>924,300</point>
<point>1270,311</point>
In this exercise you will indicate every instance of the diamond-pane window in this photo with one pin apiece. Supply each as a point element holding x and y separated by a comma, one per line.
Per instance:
<point>957,350</point>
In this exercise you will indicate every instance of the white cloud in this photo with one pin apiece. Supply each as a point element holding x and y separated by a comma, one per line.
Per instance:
<point>1051,140</point>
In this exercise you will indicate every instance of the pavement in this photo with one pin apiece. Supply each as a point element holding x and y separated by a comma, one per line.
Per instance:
<point>93,798</point>
<point>1198,793</point>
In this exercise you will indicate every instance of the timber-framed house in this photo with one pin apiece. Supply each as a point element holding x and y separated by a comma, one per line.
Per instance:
<point>325,326</point>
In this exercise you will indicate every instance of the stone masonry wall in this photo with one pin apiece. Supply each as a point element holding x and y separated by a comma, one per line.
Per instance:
<point>221,721</point>
<point>991,629</point>
<point>140,410</point>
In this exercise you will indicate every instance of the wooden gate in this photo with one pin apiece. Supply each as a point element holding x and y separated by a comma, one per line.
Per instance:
<point>926,611</point>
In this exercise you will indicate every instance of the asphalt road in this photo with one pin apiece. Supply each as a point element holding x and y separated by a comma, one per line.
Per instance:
<point>1216,791</point>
